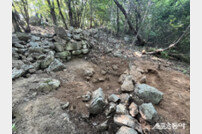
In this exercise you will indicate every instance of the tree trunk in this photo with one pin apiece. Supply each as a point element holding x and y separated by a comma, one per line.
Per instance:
<point>70,13</point>
<point>140,41</point>
<point>91,13</point>
<point>15,23</point>
<point>26,15</point>
<point>63,19</point>
<point>52,12</point>
<point>117,21</point>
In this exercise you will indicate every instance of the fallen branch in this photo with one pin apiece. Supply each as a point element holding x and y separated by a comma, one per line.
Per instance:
<point>158,51</point>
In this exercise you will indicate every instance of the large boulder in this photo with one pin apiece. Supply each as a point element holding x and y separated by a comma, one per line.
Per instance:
<point>127,85</point>
<point>56,65</point>
<point>35,21</point>
<point>98,103</point>
<point>148,112</point>
<point>148,93</point>
<point>59,47</point>
<point>63,55</point>
<point>126,130</point>
<point>74,45</point>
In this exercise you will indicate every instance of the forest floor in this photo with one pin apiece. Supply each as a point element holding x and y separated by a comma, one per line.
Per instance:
<point>41,113</point>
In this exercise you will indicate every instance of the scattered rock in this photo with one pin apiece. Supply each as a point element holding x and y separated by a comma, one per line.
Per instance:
<point>112,108</point>
<point>23,36</point>
<point>89,72</point>
<point>114,67</point>
<point>126,130</point>
<point>127,85</point>
<point>17,73</point>
<point>148,93</point>
<point>125,98</point>
<point>48,85</point>
<point>59,47</point>
<point>148,112</point>
<point>126,120</point>
<point>103,126</point>
<point>47,61</point>
<point>121,109</point>
<point>133,109</point>
<point>113,98</point>
<point>98,103</point>
<point>56,65</point>
<point>65,106</point>
<point>143,79</point>
<point>60,31</point>
<point>86,97</point>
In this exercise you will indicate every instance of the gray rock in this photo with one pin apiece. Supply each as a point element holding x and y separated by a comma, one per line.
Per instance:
<point>112,108</point>
<point>60,31</point>
<point>103,126</point>
<point>35,38</point>
<point>23,36</point>
<point>125,98</point>
<point>65,106</point>
<point>77,37</point>
<point>48,85</point>
<point>126,120</point>
<point>56,65</point>
<point>58,47</point>
<point>133,109</point>
<point>85,51</point>
<point>127,85</point>
<point>33,44</point>
<point>98,103</point>
<point>63,55</point>
<point>14,39</point>
<point>113,98</point>
<point>121,109</point>
<point>89,72</point>
<point>48,60</point>
<point>77,52</point>
<point>148,93</point>
<point>126,130</point>
<point>19,45</point>
<point>16,73</point>
<point>86,97</point>
<point>35,50</point>
<point>148,112</point>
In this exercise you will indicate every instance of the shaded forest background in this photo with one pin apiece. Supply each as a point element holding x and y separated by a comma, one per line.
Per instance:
<point>151,23</point>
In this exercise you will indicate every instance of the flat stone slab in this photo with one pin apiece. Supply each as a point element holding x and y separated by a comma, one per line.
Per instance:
<point>126,130</point>
<point>125,120</point>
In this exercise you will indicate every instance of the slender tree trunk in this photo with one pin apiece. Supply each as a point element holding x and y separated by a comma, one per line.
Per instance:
<point>91,13</point>
<point>70,13</point>
<point>63,19</point>
<point>52,12</point>
<point>117,21</point>
<point>140,40</point>
<point>26,15</point>
<point>15,23</point>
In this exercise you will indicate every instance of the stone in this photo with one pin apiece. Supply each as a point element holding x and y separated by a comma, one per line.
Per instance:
<point>88,72</point>
<point>48,60</point>
<point>133,109</point>
<point>127,85</point>
<point>85,51</point>
<point>125,120</point>
<point>143,79</point>
<point>121,109</point>
<point>35,50</point>
<point>126,130</point>
<point>65,106</point>
<point>63,55</point>
<point>112,108</point>
<point>23,36</point>
<point>35,38</point>
<point>16,73</point>
<point>103,126</point>
<point>14,39</point>
<point>33,44</point>
<point>60,31</point>
<point>56,65</point>
<point>48,85</point>
<point>58,47</point>
<point>148,112</point>
<point>77,37</point>
<point>126,39</point>
<point>77,52</point>
<point>148,93</point>
<point>98,103</point>
<point>86,97</point>
<point>114,67</point>
<point>113,98</point>
<point>18,45</point>
<point>117,54</point>
<point>125,98</point>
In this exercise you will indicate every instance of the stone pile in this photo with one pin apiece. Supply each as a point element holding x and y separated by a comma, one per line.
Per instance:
<point>123,108</point>
<point>34,52</point>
